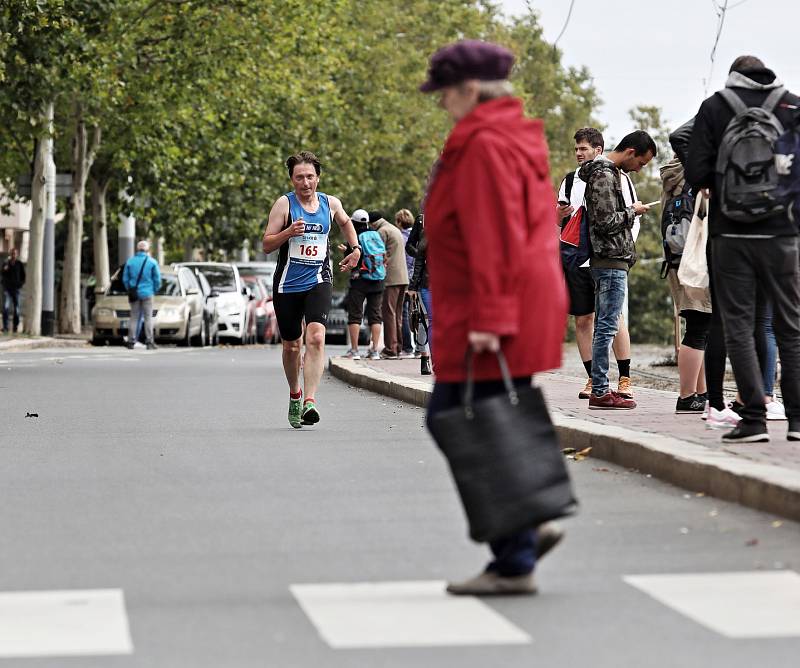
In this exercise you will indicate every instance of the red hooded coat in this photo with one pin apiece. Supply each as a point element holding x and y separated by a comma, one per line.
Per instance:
<point>492,254</point>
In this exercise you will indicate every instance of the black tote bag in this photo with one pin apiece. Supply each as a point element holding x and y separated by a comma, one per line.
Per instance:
<point>505,459</point>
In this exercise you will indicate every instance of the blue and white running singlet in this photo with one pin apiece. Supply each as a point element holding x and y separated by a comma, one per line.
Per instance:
<point>304,261</point>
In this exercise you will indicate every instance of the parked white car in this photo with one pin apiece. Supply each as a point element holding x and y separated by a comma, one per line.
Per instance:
<point>232,297</point>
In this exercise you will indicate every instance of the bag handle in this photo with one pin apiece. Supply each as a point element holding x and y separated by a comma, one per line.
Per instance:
<point>469,391</point>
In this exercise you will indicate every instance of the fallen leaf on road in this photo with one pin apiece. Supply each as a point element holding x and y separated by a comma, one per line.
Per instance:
<point>583,454</point>
<point>752,542</point>
<point>31,415</point>
<point>568,451</point>
<point>776,524</point>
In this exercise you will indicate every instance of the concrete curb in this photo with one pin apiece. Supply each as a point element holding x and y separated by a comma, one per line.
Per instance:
<point>18,344</point>
<point>682,463</point>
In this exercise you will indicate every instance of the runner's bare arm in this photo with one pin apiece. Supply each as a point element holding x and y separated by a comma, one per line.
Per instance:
<point>348,231</point>
<point>275,235</point>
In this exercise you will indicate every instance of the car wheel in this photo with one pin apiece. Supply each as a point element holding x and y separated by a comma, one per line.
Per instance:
<point>186,340</point>
<point>200,338</point>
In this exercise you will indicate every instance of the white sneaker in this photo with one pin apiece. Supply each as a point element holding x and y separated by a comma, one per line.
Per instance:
<point>775,411</point>
<point>373,354</point>
<point>724,419</point>
<point>352,355</point>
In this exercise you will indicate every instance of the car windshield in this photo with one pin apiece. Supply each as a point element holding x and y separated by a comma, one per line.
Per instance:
<point>220,278</point>
<point>169,286</point>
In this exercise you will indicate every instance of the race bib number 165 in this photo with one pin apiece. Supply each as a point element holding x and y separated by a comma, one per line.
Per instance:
<point>308,249</point>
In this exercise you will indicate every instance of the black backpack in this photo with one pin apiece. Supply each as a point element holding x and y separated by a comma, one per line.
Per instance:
<point>746,160</point>
<point>675,222</point>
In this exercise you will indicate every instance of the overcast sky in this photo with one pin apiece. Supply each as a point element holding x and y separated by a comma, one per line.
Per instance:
<point>657,52</point>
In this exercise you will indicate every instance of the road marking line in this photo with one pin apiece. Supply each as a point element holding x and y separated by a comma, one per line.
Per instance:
<point>402,614</point>
<point>757,604</point>
<point>64,623</point>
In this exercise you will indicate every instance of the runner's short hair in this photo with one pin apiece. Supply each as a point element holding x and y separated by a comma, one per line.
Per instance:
<point>639,141</point>
<point>591,136</point>
<point>306,157</point>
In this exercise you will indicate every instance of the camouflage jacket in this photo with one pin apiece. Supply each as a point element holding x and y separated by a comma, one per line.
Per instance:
<point>610,221</point>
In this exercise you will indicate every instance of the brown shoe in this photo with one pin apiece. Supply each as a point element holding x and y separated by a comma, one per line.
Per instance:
<point>492,584</point>
<point>586,392</point>
<point>610,401</point>
<point>624,387</point>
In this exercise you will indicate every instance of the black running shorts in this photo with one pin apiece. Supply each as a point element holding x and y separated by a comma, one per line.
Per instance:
<point>292,307</point>
<point>581,290</point>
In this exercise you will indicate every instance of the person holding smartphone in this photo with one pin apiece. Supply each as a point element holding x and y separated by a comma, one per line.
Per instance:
<point>589,144</point>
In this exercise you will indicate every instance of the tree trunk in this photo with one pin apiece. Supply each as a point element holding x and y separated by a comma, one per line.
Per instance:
<point>69,315</point>
<point>102,271</point>
<point>33,274</point>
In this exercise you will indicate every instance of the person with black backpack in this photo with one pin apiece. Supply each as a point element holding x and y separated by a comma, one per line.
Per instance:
<point>753,242</point>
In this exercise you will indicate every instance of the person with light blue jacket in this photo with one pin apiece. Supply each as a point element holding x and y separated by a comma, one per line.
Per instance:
<point>141,274</point>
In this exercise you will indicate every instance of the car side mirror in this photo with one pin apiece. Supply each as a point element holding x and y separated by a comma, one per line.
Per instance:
<point>214,293</point>
<point>244,290</point>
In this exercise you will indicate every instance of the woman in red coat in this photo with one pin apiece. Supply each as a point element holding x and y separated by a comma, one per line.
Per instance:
<point>493,260</point>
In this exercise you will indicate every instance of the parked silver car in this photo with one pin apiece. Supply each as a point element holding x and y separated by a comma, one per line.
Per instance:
<point>177,310</point>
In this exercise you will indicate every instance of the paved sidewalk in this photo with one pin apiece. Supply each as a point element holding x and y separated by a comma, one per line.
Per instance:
<point>15,343</point>
<point>651,438</point>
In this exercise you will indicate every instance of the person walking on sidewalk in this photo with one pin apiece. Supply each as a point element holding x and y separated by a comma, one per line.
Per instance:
<point>589,144</point>
<point>754,258</point>
<point>141,273</point>
<point>494,267</point>
<point>366,284</point>
<point>611,222</point>
<point>13,278</point>
<point>396,284</point>
<point>299,224</point>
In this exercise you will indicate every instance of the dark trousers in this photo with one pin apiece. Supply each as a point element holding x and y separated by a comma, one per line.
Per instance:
<point>747,273</point>
<point>11,303</point>
<point>515,554</point>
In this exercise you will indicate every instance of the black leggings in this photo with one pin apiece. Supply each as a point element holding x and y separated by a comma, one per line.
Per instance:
<point>697,326</point>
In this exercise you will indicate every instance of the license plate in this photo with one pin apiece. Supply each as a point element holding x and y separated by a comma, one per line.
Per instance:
<point>123,324</point>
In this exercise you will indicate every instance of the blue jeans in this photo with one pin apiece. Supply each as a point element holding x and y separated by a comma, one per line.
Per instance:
<point>608,300</point>
<point>11,300</point>
<point>425,293</point>
<point>771,353</point>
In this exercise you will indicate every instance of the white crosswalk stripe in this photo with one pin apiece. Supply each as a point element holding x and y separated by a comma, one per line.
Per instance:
<point>64,623</point>
<point>758,604</point>
<point>402,614</point>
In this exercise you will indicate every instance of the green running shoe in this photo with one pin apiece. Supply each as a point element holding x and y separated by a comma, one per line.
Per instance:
<point>310,413</point>
<point>295,412</point>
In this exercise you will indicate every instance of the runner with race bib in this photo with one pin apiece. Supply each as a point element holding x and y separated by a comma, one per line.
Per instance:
<point>299,225</point>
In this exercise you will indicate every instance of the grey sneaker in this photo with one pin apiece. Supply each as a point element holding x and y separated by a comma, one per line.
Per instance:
<point>373,354</point>
<point>492,584</point>
<point>352,355</point>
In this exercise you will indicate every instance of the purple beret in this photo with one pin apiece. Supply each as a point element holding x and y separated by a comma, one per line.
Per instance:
<point>467,59</point>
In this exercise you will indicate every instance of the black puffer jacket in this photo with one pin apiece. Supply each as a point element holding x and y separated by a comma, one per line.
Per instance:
<point>610,221</point>
<point>417,247</point>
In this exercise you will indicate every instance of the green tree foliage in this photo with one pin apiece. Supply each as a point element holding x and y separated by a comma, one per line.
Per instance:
<point>198,104</point>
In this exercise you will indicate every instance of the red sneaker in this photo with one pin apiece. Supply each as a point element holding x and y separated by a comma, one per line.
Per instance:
<point>610,401</point>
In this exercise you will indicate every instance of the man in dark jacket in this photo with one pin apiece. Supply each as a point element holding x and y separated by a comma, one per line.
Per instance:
<point>613,251</point>
<point>750,261</point>
<point>13,280</point>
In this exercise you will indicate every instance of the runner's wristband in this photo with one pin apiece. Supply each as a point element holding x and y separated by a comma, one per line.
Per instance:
<point>350,249</point>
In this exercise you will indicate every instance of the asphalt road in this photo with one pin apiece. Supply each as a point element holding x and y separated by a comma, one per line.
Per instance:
<point>174,477</point>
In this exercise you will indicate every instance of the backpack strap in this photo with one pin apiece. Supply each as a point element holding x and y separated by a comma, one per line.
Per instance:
<point>568,181</point>
<point>772,99</point>
<point>733,100</point>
